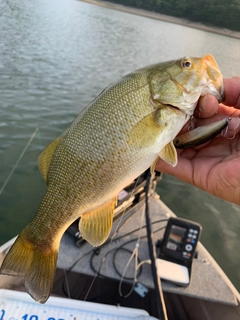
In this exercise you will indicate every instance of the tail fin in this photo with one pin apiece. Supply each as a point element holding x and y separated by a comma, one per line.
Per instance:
<point>37,267</point>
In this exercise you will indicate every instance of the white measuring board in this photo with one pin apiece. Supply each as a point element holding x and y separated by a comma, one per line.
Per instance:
<point>16,305</point>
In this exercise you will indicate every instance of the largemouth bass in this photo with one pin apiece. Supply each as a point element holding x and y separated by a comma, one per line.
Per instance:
<point>116,138</point>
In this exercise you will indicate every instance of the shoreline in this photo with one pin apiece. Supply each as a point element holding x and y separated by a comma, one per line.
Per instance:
<point>165,18</point>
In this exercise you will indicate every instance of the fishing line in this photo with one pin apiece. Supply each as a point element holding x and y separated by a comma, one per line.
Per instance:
<point>126,221</point>
<point>152,252</point>
<point>122,247</point>
<point>135,256</point>
<point>135,230</point>
<point>95,276</point>
<point>18,160</point>
<point>67,284</point>
<point>111,240</point>
<point>114,264</point>
<point>66,291</point>
<point>138,266</point>
<point>78,260</point>
<point>123,213</point>
<point>65,280</point>
<point>122,275</point>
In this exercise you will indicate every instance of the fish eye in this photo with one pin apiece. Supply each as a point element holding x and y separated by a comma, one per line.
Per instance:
<point>186,64</point>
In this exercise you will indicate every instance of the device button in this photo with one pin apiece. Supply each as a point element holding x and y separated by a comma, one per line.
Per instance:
<point>194,236</point>
<point>190,235</point>
<point>188,247</point>
<point>192,241</point>
<point>171,246</point>
<point>191,230</point>
<point>184,253</point>
<point>195,231</point>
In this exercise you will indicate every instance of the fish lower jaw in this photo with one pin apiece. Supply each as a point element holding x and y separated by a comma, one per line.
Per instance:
<point>213,91</point>
<point>186,107</point>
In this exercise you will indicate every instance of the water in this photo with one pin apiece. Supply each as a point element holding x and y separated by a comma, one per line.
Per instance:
<point>55,57</point>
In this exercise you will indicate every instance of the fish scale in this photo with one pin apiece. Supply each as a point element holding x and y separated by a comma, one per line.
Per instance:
<point>116,138</point>
<point>111,134</point>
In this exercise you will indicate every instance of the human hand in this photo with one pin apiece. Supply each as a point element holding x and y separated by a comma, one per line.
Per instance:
<point>214,166</point>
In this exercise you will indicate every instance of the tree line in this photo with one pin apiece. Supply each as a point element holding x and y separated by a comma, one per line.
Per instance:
<point>218,13</point>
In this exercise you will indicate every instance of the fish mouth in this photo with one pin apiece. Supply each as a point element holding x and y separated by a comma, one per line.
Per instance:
<point>221,96</point>
<point>222,93</point>
<point>218,91</point>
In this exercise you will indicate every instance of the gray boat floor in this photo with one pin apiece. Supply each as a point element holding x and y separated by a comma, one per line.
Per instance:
<point>208,282</point>
<point>210,294</point>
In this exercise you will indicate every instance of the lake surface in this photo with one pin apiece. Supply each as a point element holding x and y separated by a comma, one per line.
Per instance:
<point>55,57</point>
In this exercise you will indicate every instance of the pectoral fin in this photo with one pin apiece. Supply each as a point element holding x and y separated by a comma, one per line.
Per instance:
<point>169,154</point>
<point>96,225</point>
<point>45,157</point>
<point>146,131</point>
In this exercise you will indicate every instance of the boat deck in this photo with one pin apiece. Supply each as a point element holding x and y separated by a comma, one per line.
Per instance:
<point>207,282</point>
<point>96,274</point>
<point>210,289</point>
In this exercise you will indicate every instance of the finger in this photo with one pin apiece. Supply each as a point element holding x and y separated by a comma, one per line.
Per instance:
<point>207,106</point>
<point>162,166</point>
<point>234,126</point>
<point>228,111</point>
<point>183,169</point>
<point>232,92</point>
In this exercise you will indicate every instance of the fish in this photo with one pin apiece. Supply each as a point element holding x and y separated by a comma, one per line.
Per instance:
<point>112,141</point>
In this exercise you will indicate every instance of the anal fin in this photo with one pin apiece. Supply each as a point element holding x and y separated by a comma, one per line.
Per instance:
<point>95,226</point>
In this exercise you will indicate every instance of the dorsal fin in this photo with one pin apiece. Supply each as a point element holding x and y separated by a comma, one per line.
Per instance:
<point>45,157</point>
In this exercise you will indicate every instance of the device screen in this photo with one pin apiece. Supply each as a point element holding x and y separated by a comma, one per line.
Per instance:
<point>176,237</point>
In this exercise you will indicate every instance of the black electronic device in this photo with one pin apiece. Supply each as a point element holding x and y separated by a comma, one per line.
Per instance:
<point>177,250</point>
<point>180,239</point>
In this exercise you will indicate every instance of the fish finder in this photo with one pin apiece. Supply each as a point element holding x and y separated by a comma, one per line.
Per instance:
<point>177,250</point>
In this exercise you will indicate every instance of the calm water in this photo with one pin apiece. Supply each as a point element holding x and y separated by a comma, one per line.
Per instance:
<point>55,57</point>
